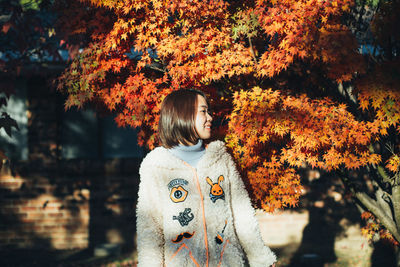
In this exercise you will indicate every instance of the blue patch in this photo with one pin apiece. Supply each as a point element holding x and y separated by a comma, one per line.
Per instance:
<point>177,182</point>
<point>215,198</point>
<point>184,217</point>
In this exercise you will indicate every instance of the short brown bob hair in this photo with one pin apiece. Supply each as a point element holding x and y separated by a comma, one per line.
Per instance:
<point>177,118</point>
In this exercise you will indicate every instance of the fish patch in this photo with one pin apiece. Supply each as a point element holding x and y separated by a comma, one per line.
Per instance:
<point>216,191</point>
<point>184,217</point>
<point>177,191</point>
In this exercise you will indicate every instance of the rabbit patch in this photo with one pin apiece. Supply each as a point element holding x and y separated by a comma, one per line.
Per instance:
<point>216,191</point>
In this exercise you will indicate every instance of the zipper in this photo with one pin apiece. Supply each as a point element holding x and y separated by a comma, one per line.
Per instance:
<point>203,211</point>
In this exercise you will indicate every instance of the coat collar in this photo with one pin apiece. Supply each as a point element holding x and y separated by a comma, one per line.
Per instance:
<point>160,157</point>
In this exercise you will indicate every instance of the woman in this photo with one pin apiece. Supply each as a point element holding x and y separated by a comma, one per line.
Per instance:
<point>193,209</point>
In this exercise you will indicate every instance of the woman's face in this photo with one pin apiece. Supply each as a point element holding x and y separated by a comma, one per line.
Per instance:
<point>203,120</point>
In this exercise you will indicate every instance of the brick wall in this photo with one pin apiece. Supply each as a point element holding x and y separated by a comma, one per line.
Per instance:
<point>36,212</point>
<point>32,215</point>
<point>47,202</point>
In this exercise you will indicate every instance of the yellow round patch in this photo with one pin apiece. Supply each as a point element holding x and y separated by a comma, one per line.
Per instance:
<point>178,194</point>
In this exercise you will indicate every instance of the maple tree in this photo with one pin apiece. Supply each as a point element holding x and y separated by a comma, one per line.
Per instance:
<point>286,78</point>
<point>28,36</point>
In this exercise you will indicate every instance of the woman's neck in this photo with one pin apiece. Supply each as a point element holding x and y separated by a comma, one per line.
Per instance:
<point>190,147</point>
<point>190,154</point>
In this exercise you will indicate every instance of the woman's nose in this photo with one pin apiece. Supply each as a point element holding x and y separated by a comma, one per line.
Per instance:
<point>209,118</point>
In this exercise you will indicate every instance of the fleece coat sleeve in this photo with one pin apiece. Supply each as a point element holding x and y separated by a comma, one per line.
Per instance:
<point>245,223</point>
<point>150,239</point>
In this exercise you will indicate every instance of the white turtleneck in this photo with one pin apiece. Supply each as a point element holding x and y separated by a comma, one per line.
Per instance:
<point>189,154</point>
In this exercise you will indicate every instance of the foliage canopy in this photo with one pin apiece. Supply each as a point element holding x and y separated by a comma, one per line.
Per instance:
<point>294,83</point>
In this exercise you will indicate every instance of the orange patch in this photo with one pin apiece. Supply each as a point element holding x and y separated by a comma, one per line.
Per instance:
<point>216,191</point>
<point>178,194</point>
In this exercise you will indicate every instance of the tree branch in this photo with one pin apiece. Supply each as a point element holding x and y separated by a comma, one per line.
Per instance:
<point>252,50</point>
<point>380,170</point>
<point>383,174</point>
<point>396,201</point>
<point>372,206</point>
<point>151,66</point>
<point>381,201</point>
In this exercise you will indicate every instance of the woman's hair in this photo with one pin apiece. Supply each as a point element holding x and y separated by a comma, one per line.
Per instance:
<point>177,118</point>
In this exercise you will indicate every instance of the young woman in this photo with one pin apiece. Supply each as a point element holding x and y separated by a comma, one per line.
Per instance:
<point>193,208</point>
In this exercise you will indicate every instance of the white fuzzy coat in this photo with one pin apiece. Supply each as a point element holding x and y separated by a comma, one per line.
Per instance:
<point>219,205</point>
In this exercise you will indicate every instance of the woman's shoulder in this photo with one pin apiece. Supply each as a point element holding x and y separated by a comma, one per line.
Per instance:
<point>217,146</point>
<point>216,152</point>
<point>160,157</point>
<point>156,155</point>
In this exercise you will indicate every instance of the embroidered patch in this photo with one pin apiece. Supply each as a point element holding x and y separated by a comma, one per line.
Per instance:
<point>177,192</point>
<point>216,191</point>
<point>184,217</point>
<point>181,236</point>
<point>177,182</point>
<point>219,239</point>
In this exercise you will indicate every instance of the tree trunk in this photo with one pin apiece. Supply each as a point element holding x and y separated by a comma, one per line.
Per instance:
<point>397,255</point>
<point>396,202</point>
<point>396,210</point>
<point>379,213</point>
